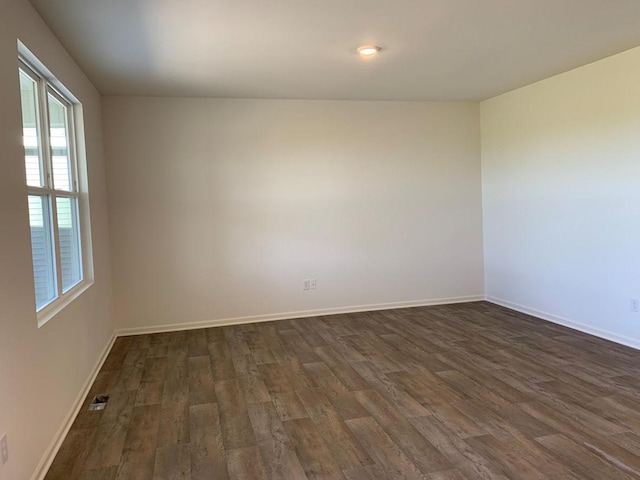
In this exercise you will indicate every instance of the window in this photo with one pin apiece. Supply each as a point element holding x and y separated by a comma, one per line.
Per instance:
<point>54,198</point>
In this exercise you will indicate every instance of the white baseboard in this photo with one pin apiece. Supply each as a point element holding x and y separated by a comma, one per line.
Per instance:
<point>291,315</point>
<point>565,322</point>
<point>61,434</point>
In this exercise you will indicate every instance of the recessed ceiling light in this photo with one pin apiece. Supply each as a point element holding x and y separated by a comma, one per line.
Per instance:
<point>368,51</point>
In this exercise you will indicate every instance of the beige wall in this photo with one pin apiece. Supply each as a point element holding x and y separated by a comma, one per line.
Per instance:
<point>220,208</point>
<point>561,183</point>
<point>42,370</point>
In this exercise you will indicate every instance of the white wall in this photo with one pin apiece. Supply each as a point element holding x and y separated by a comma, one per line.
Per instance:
<point>42,370</point>
<point>561,195</point>
<point>220,208</point>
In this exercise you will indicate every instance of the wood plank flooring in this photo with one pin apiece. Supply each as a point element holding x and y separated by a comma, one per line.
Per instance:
<point>470,391</point>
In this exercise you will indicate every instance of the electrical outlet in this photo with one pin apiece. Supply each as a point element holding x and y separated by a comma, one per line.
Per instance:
<point>306,284</point>
<point>313,283</point>
<point>635,305</point>
<point>4,449</point>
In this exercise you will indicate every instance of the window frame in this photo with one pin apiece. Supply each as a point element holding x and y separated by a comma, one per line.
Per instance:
<point>47,85</point>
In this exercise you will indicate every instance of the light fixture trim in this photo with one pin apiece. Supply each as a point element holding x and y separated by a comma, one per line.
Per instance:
<point>368,51</point>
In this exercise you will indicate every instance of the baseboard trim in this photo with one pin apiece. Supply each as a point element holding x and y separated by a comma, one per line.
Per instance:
<point>565,322</point>
<point>61,434</point>
<point>291,315</point>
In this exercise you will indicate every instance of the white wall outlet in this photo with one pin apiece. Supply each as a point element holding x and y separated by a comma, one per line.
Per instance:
<point>306,284</point>
<point>313,283</point>
<point>635,305</point>
<point>4,449</point>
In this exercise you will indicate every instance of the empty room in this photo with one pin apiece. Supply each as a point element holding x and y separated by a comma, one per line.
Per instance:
<point>303,239</point>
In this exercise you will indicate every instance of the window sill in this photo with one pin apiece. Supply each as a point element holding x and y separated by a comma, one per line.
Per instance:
<point>55,307</point>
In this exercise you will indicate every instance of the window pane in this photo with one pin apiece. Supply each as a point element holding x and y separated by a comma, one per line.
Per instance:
<point>31,130</point>
<point>69,235</point>
<point>59,138</point>
<point>42,249</point>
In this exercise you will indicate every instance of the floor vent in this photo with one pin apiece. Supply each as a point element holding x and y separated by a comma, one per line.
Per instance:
<point>99,402</point>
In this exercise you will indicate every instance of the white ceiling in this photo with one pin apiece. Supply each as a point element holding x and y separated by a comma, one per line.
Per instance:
<point>433,49</point>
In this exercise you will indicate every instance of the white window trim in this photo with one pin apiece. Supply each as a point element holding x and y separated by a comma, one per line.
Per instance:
<point>47,83</point>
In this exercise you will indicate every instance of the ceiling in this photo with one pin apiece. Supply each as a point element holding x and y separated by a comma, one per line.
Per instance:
<point>432,49</point>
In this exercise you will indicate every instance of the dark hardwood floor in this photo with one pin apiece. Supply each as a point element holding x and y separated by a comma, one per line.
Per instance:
<point>470,391</point>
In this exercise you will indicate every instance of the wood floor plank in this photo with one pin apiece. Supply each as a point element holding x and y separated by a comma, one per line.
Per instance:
<point>507,419</point>
<point>341,397</point>
<point>197,342</point>
<point>585,463</point>
<point>416,355</point>
<point>448,475</point>
<point>173,463</point>
<point>174,425</point>
<point>368,472</point>
<point>302,350</point>
<point>208,457</point>
<point>131,371</point>
<point>120,407</point>
<point>236,342</point>
<point>343,444</point>
<point>628,440</point>
<point>425,388</point>
<point>221,363</point>
<point>571,418</point>
<point>263,356</point>
<point>152,381</point>
<point>288,405</point>
<point>214,335</point>
<point>282,392</point>
<point>386,454</point>
<point>106,473</point>
<point>314,455</point>
<point>177,361</point>
<point>253,387</point>
<point>275,378</point>
<point>237,431</point>
<point>504,454</point>
<point>392,392</point>
<point>306,327</point>
<point>70,460</point>
<point>341,368</point>
<point>158,350</point>
<point>118,352</point>
<point>373,352</point>
<point>278,450</point>
<point>246,464</point>
<point>175,391</point>
<point>108,447</point>
<point>105,381</point>
<point>421,453</point>
<point>458,421</point>
<point>298,377</point>
<point>140,470</point>
<point>471,463</point>
<point>201,388</point>
<point>138,453</point>
<point>464,385</point>
<point>142,435</point>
